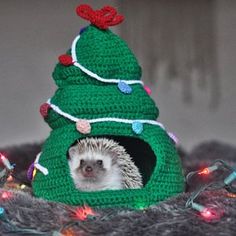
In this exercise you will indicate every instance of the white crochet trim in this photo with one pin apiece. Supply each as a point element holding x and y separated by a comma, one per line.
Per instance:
<point>119,120</point>
<point>173,137</point>
<point>90,73</point>
<point>40,167</point>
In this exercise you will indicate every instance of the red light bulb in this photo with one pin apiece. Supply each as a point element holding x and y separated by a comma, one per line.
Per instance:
<point>10,178</point>
<point>205,171</point>
<point>208,170</point>
<point>206,213</point>
<point>6,195</point>
<point>211,214</point>
<point>81,213</point>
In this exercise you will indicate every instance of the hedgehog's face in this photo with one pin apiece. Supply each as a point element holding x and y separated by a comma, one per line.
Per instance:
<point>90,165</point>
<point>93,165</point>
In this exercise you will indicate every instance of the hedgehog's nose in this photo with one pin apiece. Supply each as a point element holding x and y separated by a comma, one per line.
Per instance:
<point>88,169</point>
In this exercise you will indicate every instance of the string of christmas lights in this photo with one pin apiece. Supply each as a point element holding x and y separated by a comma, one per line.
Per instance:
<point>6,171</point>
<point>6,174</point>
<point>78,214</point>
<point>10,228</point>
<point>210,213</point>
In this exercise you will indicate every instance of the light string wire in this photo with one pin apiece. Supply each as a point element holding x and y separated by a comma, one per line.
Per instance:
<point>219,163</point>
<point>9,228</point>
<point>213,185</point>
<point>195,194</point>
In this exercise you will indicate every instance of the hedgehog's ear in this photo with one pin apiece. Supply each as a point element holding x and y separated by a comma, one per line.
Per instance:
<point>72,151</point>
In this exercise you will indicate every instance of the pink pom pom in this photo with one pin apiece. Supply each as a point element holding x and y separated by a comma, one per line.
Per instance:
<point>83,126</point>
<point>65,60</point>
<point>44,110</point>
<point>148,90</point>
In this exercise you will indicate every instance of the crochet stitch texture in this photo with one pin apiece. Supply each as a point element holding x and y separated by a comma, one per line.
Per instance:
<point>82,96</point>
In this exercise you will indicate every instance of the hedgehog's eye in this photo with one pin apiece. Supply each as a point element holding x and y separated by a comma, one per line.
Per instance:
<point>99,162</point>
<point>81,162</point>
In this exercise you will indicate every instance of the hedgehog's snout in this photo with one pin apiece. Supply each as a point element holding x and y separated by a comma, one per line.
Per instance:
<point>88,169</point>
<point>91,168</point>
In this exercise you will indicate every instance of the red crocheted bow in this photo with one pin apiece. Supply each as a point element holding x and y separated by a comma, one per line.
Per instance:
<point>103,18</point>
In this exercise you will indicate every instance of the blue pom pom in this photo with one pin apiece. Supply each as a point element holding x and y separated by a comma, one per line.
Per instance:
<point>82,30</point>
<point>137,127</point>
<point>124,88</point>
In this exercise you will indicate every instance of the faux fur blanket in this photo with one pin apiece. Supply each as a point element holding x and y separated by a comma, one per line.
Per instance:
<point>26,215</point>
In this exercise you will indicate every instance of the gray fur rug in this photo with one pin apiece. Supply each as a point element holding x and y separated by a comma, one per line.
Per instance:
<point>26,215</point>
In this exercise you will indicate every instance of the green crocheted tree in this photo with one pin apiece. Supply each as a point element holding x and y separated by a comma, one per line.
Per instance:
<point>100,94</point>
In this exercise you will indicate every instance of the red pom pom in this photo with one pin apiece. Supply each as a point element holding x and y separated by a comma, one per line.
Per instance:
<point>65,60</point>
<point>44,109</point>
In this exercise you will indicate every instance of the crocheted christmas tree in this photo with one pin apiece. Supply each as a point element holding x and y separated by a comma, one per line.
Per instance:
<point>100,94</point>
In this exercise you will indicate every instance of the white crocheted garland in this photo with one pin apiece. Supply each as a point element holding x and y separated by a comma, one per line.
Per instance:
<point>83,125</point>
<point>137,125</point>
<point>90,73</point>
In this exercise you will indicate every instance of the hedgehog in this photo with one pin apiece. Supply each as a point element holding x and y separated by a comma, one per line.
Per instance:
<point>102,164</point>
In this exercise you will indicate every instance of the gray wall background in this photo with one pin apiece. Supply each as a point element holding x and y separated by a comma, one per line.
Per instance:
<point>33,34</point>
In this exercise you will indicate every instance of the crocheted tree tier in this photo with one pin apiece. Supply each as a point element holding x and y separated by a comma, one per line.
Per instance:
<point>101,52</point>
<point>155,156</point>
<point>96,101</point>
